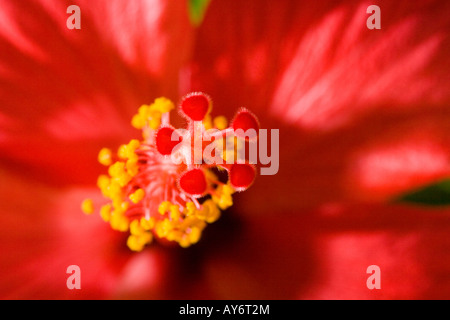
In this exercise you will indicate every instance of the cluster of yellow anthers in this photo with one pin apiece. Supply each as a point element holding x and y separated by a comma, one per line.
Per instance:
<point>150,115</point>
<point>147,197</point>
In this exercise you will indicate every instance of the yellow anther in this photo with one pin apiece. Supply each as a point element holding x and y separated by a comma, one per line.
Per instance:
<point>113,191</point>
<point>220,122</point>
<point>174,212</point>
<point>163,228</point>
<point>146,237</point>
<point>200,224</point>
<point>203,213</point>
<point>138,121</point>
<point>123,206</point>
<point>190,208</point>
<point>175,235</point>
<point>133,144</point>
<point>103,182</point>
<point>105,212</point>
<point>225,202</point>
<point>154,114</point>
<point>123,179</point>
<point>223,197</point>
<point>120,206</point>
<point>162,105</point>
<point>164,207</point>
<point>135,228</point>
<point>193,221</point>
<point>87,206</point>
<point>213,217</point>
<point>126,151</point>
<point>137,196</point>
<point>144,110</point>
<point>122,151</point>
<point>213,211</point>
<point>159,230</point>
<point>117,203</point>
<point>147,115</point>
<point>134,243</point>
<point>195,235</point>
<point>184,242</point>
<point>105,157</point>
<point>188,222</point>
<point>117,169</point>
<point>119,222</point>
<point>211,205</point>
<point>210,176</point>
<point>230,151</point>
<point>154,123</point>
<point>227,189</point>
<point>147,224</point>
<point>207,122</point>
<point>118,173</point>
<point>132,166</point>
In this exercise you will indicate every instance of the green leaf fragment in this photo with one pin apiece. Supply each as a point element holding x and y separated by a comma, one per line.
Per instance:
<point>197,10</point>
<point>437,194</point>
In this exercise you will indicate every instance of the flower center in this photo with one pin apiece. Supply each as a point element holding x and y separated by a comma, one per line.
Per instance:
<point>167,185</point>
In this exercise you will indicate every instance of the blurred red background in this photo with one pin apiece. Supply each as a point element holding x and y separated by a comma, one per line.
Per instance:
<point>363,118</point>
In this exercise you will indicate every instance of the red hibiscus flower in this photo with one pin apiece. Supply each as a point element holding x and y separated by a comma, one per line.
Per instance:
<point>362,116</point>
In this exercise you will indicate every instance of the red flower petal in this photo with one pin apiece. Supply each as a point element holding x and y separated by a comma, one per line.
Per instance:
<point>42,236</point>
<point>59,84</point>
<point>325,253</point>
<point>340,94</point>
<point>363,115</point>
